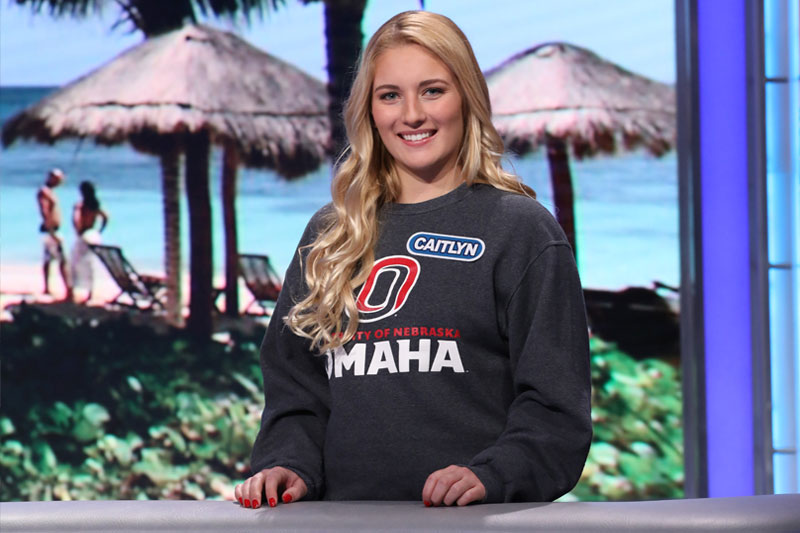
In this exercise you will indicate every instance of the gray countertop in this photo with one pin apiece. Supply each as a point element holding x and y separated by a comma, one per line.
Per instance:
<point>752,514</point>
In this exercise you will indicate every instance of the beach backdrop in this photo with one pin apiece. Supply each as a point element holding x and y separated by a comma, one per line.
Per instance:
<point>162,420</point>
<point>627,206</point>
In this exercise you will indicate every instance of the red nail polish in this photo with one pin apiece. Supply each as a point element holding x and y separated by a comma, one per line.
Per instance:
<point>247,503</point>
<point>427,503</point>
<point>272,502</point>
<point>241,502</point>
<point>256,504</point>
<point>287,498</point>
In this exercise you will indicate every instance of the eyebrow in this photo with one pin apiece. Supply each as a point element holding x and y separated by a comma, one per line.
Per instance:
<point>423,83</point>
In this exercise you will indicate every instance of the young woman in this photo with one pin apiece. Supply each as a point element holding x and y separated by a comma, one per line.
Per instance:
<point>430,341</point>
<point>84,218</point>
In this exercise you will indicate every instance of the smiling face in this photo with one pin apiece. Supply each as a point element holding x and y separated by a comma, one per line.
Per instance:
<point>416,107</point>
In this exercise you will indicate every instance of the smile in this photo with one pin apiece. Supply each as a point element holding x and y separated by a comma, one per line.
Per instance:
<point>416,137</point>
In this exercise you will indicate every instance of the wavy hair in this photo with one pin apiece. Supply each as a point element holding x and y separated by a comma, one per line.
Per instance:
<point>339,260</point>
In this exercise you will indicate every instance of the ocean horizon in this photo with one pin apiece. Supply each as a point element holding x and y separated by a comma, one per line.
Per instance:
<point>626,206</point>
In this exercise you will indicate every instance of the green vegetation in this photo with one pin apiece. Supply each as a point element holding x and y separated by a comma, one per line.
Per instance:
<point>113,410</point>
<point>637,449</point>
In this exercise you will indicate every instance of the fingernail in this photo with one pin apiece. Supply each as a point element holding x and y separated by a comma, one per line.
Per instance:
<point>427,503</point>
<point>241,502</point>
<point>256,504</point>
<point>247,503</point>
<point>272,502</point>
<point>287,498</point>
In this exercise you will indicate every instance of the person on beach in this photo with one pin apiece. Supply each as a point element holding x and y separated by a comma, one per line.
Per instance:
<point>430,340</point>
<point>84,218</point>
<point>50,212</point>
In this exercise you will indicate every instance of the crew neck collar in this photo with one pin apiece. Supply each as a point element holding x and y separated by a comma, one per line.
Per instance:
<point>457,194</point>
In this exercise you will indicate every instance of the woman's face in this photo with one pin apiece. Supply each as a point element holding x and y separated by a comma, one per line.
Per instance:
<point>416,107</point>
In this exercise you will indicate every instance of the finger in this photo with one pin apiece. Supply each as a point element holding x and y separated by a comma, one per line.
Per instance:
<point>475,494</point>
<point>427,489</point>
<point>274,478</point>
<point>244,493</point>
<point>237,493</point>
<point>251,490</point>
<point>295,489</point>
<point>456,490</point>
<point>443,484</point>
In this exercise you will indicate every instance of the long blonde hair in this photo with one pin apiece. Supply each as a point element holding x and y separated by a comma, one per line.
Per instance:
<point>340,258</point>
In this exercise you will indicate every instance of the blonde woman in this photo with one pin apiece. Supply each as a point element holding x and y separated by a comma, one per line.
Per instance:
<point>430,341</point>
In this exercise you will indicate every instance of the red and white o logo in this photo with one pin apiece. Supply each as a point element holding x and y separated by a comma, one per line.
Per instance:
<point>387,288</point>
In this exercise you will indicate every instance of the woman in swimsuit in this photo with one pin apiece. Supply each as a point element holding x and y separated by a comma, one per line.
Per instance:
<point>84,218</point>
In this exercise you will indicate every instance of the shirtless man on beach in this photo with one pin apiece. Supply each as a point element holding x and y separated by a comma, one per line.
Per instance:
<point>51,221</point>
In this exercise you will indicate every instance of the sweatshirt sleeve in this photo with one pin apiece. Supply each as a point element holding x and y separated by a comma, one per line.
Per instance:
<point>543,448</point>
<point>296,395</point>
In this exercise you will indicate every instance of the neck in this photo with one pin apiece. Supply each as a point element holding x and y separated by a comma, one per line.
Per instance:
<point>415,189</point>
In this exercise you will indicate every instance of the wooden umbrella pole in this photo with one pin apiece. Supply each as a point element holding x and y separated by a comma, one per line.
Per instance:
<point>230,164</point>
<point>171,189</point>
<point>563,195</point>
<point>200,249</point>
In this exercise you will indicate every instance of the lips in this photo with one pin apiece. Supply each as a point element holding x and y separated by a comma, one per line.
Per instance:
<point>416,136</point>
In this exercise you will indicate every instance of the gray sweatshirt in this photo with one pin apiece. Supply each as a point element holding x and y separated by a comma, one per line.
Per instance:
<point>472,349</point>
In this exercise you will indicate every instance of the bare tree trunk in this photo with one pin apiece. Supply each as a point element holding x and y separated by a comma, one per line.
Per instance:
<point>563,195</point>
<point>343,38</point>
<point>171,190</point>
<point>230,164</point>
<point>200,249</point>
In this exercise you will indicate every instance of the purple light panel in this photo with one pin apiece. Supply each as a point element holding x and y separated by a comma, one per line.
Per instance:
<point>725,229</point>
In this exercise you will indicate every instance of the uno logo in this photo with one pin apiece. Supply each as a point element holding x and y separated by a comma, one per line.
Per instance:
<point>387,288</point>
<point>446,246</point>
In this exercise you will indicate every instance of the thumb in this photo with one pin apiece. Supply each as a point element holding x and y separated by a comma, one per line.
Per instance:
<point>295,489</point>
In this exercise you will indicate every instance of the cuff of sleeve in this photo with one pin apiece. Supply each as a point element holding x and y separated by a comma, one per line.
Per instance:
<point>313,489</point>
<point>491,482</point>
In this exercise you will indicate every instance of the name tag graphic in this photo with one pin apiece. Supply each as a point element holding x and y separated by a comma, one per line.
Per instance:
<point>452,247</point>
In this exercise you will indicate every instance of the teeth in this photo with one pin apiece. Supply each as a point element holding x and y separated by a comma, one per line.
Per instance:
<point>417,136</point>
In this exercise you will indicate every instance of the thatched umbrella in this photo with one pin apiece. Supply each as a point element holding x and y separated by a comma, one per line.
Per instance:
<point>179,92</point>
<point>560,95</point>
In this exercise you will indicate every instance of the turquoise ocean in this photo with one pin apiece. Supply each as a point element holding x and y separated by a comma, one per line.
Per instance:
<point>626,206</point>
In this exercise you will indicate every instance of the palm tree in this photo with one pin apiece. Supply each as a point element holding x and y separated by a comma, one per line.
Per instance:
<point>343,42</point>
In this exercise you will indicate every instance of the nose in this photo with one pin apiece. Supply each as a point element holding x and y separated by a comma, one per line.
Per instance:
<point>413,113</point>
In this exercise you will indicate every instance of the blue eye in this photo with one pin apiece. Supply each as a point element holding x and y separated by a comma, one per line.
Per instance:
<point>388,96</point>
<point>433,91</point>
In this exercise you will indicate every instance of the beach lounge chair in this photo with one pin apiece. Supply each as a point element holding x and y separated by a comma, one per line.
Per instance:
<point>144,292</point>
<point>261,280</point>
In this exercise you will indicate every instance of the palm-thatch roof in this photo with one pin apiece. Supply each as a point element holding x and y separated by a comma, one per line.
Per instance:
<point>193,79</point>
<point>568,92</point>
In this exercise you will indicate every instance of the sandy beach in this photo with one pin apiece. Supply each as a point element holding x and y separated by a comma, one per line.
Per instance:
<point>24,283</point>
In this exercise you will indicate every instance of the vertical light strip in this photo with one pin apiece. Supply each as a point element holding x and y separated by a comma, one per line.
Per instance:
<point>725,230</point>
<point>782,121</point>
<point>794,191</point>
<point>794,121</point>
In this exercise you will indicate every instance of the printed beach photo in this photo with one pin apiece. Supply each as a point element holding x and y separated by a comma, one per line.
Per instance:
<point>133,373</point>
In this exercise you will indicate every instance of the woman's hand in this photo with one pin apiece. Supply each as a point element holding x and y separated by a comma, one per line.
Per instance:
<point>453,485</point>
<point>268,482</point>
